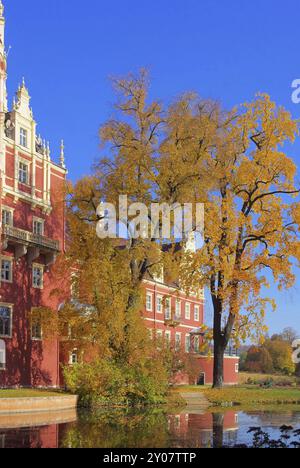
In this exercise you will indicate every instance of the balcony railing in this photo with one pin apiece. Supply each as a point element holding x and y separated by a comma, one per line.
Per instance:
<point>15,233</point>
<point>43,241</point>
<point>30,238</point>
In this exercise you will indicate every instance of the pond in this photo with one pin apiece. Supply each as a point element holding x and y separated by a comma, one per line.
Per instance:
<point>141,429</point>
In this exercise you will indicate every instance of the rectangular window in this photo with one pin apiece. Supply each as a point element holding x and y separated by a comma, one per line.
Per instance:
<point>38,227</point>
<point>6,270</point>
<point>178,309</point>
<point>74,357</point>
<point>5,321</point>
<point>159,305</point>
<point>149,302</point>
<point>187,343</point>
<point>197,313</point>
<point>37,276</point>
<point>178,341</point>
<point>2,357</point>
<point>188,311</point>
<point>2,360</point>
<point>237,368</point>
<point>23,137</point>
<point>168,338</point>
<point>7,217</point>
<point>196,344</point>
<point>168,314</point>
<point>23,173</point>
<point>36,330</point>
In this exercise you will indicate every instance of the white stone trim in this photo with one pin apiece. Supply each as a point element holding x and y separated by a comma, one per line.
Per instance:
<point>10,259</point>
<point>42,267</point>
<point>11,307</point>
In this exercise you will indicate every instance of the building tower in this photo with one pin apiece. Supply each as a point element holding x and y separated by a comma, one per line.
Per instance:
<point>32,235</point>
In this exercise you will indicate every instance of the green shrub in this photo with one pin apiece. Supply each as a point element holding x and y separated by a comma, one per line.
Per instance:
<point>105,382</point>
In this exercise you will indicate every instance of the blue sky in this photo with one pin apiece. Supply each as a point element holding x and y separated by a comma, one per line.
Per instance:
<point>227,50</point>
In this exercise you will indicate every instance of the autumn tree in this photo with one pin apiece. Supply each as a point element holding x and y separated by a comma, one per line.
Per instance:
<point>103,319</point>
<point>232,161</point>
<point>259,360</point>
<point>281,354</point>
<point>140,165</point>
<point>251,219</point>
<point>289,335</point>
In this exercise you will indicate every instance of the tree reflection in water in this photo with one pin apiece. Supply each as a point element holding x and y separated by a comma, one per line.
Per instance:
<point>118,428</point>
<point>150,428</point>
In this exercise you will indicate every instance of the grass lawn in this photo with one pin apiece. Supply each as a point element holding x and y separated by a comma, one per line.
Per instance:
<point>246,395</point>
<point>28,393</point>
<point>252,396</point>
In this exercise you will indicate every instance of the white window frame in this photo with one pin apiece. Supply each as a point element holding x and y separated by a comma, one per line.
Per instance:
<point>187,311</point>
<point>197,313</point>
<point>73,353</point>
<point>2,355</point>
<point>11,214</point>
<point>9,260</point>
<point>35,338</point>
<point>197,344</point>
<point>23,137</point>
<point>178,311</point>
<point>168,308</point>
<point>237,368</point>
<point>22,171</point>
<point>187,343</point>
<point>41,222</point>
<point>10,307</point>
<point>159,305</point>
<point>149,305</point>
<point>36,266</point>
<point>168,337</point>
<point>178,342</point>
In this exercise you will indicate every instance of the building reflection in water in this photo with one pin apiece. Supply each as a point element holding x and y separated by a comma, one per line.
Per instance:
<point>203,429</point>
<point>37,430</point>
<point>150,428</point>
<point>190,430</point>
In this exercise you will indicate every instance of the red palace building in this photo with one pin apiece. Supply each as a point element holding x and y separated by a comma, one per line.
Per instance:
<point>33,234</point>
<point>178,318</point>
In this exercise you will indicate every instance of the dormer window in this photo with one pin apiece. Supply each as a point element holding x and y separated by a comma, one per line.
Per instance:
<point>23,173</point>
<point>23,137</point>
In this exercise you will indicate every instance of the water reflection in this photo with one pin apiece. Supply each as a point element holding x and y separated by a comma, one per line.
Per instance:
<point>131,429</point>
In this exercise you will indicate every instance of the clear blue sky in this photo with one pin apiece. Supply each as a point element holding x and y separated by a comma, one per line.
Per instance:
<point>227,50</point>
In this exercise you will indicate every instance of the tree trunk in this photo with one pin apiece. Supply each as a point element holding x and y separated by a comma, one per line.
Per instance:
<point>218,363</point>
<point>218,430</point>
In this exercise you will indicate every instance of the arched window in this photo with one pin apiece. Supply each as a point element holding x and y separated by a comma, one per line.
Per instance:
<point>2,355</point>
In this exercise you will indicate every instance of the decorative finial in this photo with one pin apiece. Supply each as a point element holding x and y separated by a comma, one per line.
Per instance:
<point>62,154</point>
